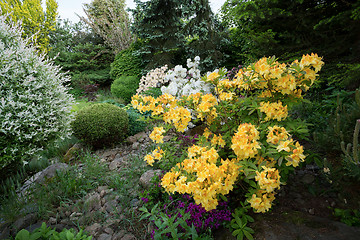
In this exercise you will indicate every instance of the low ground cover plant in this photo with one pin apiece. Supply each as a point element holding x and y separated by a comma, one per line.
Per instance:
<point>249,139</point>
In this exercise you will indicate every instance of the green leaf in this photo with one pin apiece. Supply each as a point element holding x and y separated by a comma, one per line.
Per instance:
<point>248,235</point>
<point>22,235</point>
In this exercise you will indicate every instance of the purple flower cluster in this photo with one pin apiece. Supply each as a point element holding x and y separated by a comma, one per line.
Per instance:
<point>232,73</point>
<point>189,140</point>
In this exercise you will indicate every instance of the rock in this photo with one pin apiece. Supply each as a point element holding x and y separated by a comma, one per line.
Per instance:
<point>59,227</point>
<point>308,178</point>
<point>102,193</point>
<point>24,222</point>
<point>139,137</point>
<point>145,179</point>
<point>119,235</point>
<point>101,188</point>
<point>128,236</point>
<point>75,216</point>
<point>109,231</point>
<point>115,164</point>
<point>312,211</point>
<point>135,145</point>
<point>52,221</point>
<point>4,232</point>
<point>73,152</point>
<point>93,202</point>
<point>32,227</point>
<point>93,229</point>
<point>111,206</point>
<point>40,177</point>
<point>104,236</point>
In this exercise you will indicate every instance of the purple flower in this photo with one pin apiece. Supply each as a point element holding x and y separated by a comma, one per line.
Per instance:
<point>145,200</point>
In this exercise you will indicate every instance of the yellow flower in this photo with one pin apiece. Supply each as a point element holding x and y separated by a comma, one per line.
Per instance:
<point>276,134</point>
<point>149,159</point>
<point>244,142</point>
<point>297,156</point>
<point>274,110</point>
<point>156,134</point>
<point>268,179</point>
<point>284,146</point>
<point>263,203</point>
<point>212,77</point>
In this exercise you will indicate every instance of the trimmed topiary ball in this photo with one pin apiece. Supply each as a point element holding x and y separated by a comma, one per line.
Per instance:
<point>35,108</point>
<point>101,124</point>
<point>125,87</point>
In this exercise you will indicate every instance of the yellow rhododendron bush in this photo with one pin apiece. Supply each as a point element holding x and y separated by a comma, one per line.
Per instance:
<point>249,139</point>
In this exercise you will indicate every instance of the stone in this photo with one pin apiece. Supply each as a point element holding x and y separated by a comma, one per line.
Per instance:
<point>102,193</point>
<point>93,202</point>
<point>75,216</point>
<point>111,206</point>
<point>32,227</point>
<point>135,145</point>
<point>104,236</point>
<point>24,222</point>
<point>119,235</point>
<point>41,176</point>
<point>139,137</point>
<point>109,231</point>
<point>52,221</point>
<point>93,229</point>
<point>115,164</point>
<point>101,188</point>
<point>5,233</point>
<point>128,236</point>
<point>308,178</point>
<point>72,153</point>
<point>145,179</point>
<point>135,202</point>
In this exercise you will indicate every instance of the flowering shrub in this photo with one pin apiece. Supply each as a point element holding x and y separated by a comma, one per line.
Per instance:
<point>34,103</point>
<point>184,81</point>
<point>249,135</point>
<point>154,78</point>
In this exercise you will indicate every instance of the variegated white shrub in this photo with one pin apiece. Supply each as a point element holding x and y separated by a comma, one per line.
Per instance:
<point>34,103</point>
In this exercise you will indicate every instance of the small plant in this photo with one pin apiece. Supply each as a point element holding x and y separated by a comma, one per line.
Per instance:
<point>47,233</point>
<point>348,216</point>
<point>101,124</point>
<point>239,223</point>
<point>124,87</point>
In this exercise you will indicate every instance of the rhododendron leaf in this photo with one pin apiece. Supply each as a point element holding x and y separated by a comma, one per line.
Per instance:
<point>253,184</point>
<point>280,161</point>
<point>248,235</point>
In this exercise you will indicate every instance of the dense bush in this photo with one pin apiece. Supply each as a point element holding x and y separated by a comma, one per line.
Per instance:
<point>135,124</point>
<point>153,91</point>
<point>124,87</point>
<point>101,124</point>
<point>125,63</point>
<point>34,103</point>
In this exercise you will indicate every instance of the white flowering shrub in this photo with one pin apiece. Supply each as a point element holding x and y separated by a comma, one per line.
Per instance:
<point>154,78</point>
<point>184,81</point>
<point>34,103</point>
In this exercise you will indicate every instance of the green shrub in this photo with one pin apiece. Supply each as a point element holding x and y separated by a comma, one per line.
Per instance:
<point>135,124</point>
<point>153,91</point>
<point>101,124</point>
<point>125,63</point>
<point>34,103</point>
<point>124,87</point>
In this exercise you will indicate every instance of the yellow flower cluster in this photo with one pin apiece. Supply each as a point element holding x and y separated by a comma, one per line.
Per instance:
<point>218,140</point>
<point>157,135</point>
<point>268,179</point>
<point>206,108</point>
<point>179,117</point>
<point>200,176</point>
<point>262,203</point>
<point>277,134</point>
<point>296,150</point>
<point>244,142</point>
<point>157,154</point>
<point>274,110</point>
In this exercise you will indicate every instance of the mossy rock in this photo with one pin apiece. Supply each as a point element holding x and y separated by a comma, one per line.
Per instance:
<point>101,124</point>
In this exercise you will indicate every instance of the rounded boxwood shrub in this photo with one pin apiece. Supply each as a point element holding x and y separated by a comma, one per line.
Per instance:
<point>35,108</point>
<point>124,87</point>
<point>126,63</point>
<point>101,124</point>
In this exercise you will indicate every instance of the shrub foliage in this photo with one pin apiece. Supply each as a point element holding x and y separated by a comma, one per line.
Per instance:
<point>34,103</point>
<point>101,124</point>
<point>124,87</point>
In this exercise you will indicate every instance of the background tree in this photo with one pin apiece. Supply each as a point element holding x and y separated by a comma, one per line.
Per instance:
<point>34,19</point>
<point>81,52</point>
<point>158,23</point>
<point>109,19</point>
<point>288,29</point>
